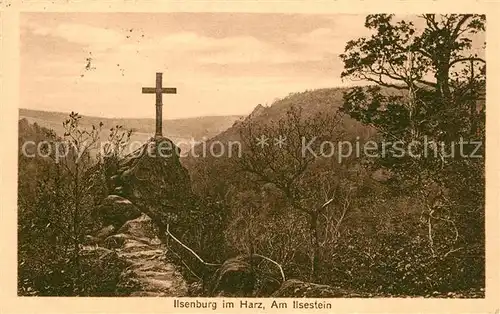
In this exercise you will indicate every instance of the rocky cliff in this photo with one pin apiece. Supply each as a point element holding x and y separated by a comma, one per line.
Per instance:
<point>149,189</point>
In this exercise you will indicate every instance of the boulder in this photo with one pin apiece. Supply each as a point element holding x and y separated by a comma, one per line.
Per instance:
<point>153,179</point>
<point>100,236</point>
<point>235,278</point>
<point>105,232</point>
<point>140,227</point>
<point>244,276</point>
<point>116,210</point>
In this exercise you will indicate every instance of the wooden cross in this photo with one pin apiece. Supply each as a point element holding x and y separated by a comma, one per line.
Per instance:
<point>159,91</point>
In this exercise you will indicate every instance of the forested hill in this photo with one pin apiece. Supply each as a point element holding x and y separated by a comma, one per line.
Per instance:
<point>176,129</point>
<point>311,102</point>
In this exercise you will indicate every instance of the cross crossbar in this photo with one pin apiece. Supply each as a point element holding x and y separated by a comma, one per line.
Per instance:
<point>164,90</point>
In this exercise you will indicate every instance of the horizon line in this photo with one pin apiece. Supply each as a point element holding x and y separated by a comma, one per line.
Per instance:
<point>137,118</point>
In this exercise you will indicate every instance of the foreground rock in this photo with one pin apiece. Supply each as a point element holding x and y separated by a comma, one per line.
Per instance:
<point>234,278</point>
<point>242,277</point>
<point>154,180</point>
<point>294,288</point>
<point>145,269</point>
<point>116,211</point>
<point>148,273</point>
<point>149,187</point>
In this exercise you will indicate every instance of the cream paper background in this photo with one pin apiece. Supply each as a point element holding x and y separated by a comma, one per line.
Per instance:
<point>10,90</point>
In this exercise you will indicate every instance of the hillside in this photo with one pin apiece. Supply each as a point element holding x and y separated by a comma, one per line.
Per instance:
<point>326,100</point>
<point>177,129</point>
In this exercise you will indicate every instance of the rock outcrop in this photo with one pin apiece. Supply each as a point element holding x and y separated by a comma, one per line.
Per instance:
<point>257,111</point>
<point>241,276</point>
<point>138,251</point>
<point>150,188</point>
<point>116,211</point>
<point>148,272</point>
<point>235,278</point>
<point>153,179</point>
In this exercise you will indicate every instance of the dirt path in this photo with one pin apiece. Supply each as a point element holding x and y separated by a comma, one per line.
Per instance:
<point>147,272</point>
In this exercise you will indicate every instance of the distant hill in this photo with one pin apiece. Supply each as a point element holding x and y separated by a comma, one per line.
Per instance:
<point>326,100</point>
<point>179,130</point>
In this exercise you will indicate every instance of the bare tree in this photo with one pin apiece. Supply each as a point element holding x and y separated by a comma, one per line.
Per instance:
<point>288,160</point>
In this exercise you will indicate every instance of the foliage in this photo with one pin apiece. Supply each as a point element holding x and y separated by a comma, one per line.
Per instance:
<point>58,193</point>
<point>444,112</point>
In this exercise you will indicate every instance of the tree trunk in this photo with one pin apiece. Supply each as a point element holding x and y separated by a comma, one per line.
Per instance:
<point>313,230</point>
<point>76,246</point>
<point>472,102</point>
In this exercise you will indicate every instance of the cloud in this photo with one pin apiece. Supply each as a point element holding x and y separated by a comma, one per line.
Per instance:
<point>195,42</point>
<point>316,36</point>
<point>236,50</point>
<point>316,45</point>
<point>117,59</point>
<point>331,40</point>
<point>228,50</point>
<point>120,57</point>
<point>188,49</point>
<point>201,49</point>
<point>95,38</point>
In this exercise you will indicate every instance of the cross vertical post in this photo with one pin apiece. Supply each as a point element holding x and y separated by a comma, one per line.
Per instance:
<point>159,105</point>
<point>159,91</point>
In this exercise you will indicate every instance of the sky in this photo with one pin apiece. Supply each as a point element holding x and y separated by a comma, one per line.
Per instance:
<point>220,63</point>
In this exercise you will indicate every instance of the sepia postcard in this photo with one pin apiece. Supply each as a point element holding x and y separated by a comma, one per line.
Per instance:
<point>249,156</point>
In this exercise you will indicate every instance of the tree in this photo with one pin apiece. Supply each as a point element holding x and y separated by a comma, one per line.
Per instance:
<point>57,194</point>
<point>294,171</point>
<point>427,83</point>
<point>435,69</point>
